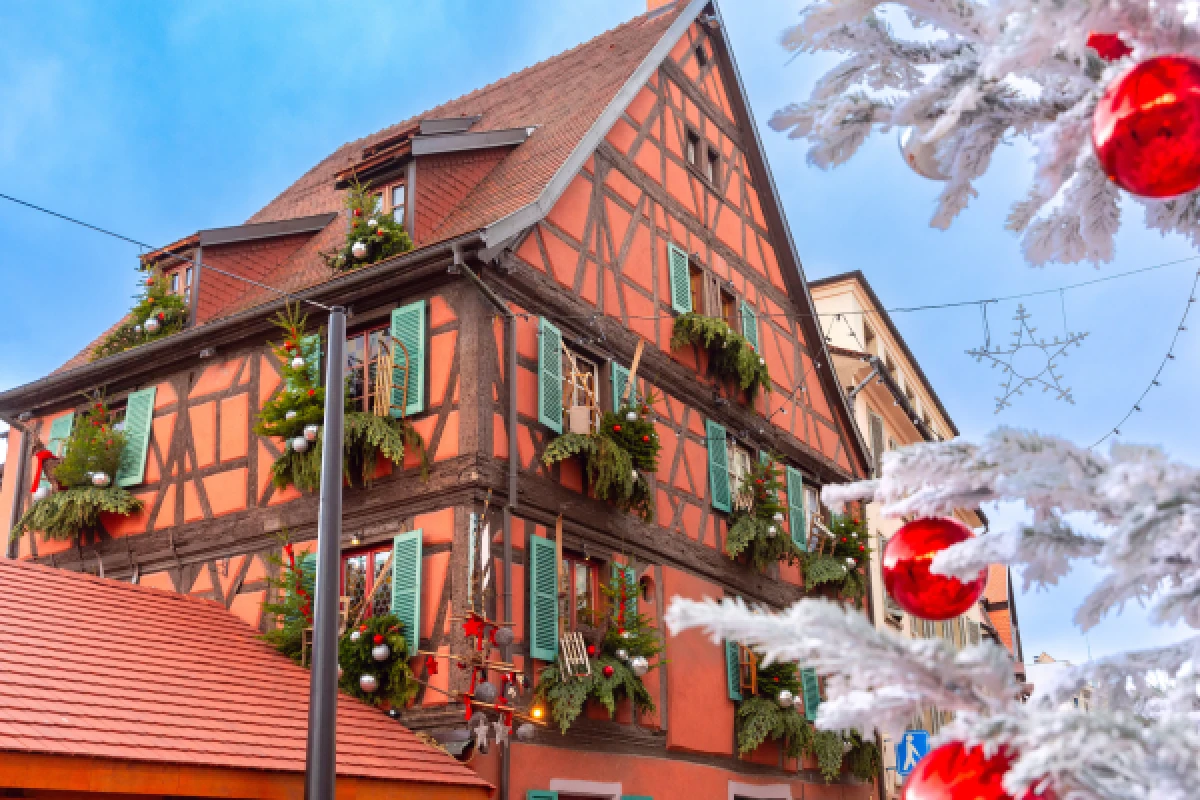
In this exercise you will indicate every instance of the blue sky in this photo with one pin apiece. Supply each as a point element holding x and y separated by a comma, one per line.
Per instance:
<point>159,119</point>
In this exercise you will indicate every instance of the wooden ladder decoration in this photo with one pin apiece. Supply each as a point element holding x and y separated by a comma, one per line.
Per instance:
<point>575,662</point>
<point>385,379</point>
<point>633,368</point>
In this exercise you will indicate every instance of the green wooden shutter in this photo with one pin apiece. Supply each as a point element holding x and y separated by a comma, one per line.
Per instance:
<point>795,497</point>
<point>733,670</point>
<point>628,575</point>
<point>620,378</point>
<point>536,794</point>
<point>718,466</point>
<point>681,279</point>
<point>139,414</point>
<point>310,346</point>
<point>812,692</point>
<point>550,381</point>
<point>408,326</point>
<point>406,586</point>
<point>60,431</point>
<point>750,324</point>
<point>543,599</point>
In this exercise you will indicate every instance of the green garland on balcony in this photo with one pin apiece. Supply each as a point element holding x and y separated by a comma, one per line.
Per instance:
<point>619,458</point>
<point>300,405</point>
<point>168,311</point>
<point>730,355</point>
<point>373,235</point>
<point>845,564</point>
<point>94,447</point>
<point>629,632</point>
<point>756,524</point>
<point>760,717</point>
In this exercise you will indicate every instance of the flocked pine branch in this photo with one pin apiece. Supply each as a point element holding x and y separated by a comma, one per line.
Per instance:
<point>973,76</point>
<point>1133,513</point>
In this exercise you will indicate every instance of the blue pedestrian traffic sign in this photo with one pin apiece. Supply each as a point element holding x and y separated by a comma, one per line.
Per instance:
<point>911,748</point>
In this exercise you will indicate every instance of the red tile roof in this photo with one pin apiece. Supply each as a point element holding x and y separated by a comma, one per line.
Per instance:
<point>97,668</point>
<point>562,97</point>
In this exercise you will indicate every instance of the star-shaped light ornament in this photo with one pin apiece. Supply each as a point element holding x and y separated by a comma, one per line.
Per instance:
<point>1029,362</point>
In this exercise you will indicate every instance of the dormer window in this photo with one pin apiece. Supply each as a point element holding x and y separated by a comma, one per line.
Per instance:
<point>181,283</point>
<point>399,202</point>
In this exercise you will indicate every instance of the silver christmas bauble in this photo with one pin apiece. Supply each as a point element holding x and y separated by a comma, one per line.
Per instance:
<point>380,652</point>
<point>290,415</point>
<point>41,493</point>
<point>622,654</point>
<point>101,479</point>
<point>368,682</point>
<point>850,562</point>
<point>300,444</point>
<point>355,636</point>
<point>525,732</point>
<point>298,362</point>
<point>137,329</point>
<point>152,325</point>
<point>486,692</point>
<point>359,249</point>
<point>310,432</point>
<point>762,362</point>
<point>778,516</point>
<point>920,155</point>
<point>639,665</point>
<point>634,473</point>
<point>504,636</point>
<point>772,530</point>
<point>786,698</point>
<point>372,222</point>
<point>631,416</point>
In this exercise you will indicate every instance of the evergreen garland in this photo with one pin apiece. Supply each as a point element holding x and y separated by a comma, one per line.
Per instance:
<point>730,355</point>
<point>846,564</point>
<point>94,445</point>
<point>294,588</point>
<point>396,683</point>
<point>301,403</point>
<point>630,632</point>
<point>754,517</point>
<point>618,458</point>
<point>156,301</point>
<point>379,233</point>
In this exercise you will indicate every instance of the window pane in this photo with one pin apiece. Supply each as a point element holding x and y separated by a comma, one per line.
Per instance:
<point>354,579</point>
<point>378,203</point>
<point>187,278</point>
<point>381,599</point>
<point>174,283</point>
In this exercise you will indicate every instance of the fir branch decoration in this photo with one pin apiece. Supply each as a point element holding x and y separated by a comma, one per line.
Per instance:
<point>847,561</point>
<point>618,458</point>
<point>66,514</point>
<point>377,235</point>
<point>169,311</point>
<point>863,759</point>
<point>94,445</point>
<point>292,582</point>
<point>756,525</point>
<point>397,685</point>
<point>731,357</point>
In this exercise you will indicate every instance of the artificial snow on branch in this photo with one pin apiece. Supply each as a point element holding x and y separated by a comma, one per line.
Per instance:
<point>971,76</point>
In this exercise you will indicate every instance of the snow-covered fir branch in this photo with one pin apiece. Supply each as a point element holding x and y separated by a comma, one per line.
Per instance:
<point>973,76</point>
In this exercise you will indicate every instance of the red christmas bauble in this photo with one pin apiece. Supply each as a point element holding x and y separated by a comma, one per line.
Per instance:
<point>358,212</point>
<point>952,772</point>
<point>608,670</point>
<point>617,428</point>
<point>1109,46</point>
<point>378,638</point>
<point>906,575</point>
<point>1146,128</point>
<point>591,649</point>
<point>645,438</point>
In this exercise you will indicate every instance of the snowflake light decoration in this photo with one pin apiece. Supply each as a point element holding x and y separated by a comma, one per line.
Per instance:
<point>1039,371</point>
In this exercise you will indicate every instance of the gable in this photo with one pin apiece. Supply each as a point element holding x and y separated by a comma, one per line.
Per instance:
<point>605,239</point>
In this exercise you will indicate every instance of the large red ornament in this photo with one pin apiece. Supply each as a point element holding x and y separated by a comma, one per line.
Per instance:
<point>1146,128</point>
<point>906,575</point>
<point>1109,46</point>
<point>952,772</point>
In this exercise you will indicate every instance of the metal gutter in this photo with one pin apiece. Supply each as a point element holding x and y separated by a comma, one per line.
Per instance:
<point>523,218</point>
<point>427,145</point>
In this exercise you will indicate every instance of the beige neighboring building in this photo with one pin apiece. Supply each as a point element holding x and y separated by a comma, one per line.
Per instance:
<point>1045,670</point>
<point>894,405</point>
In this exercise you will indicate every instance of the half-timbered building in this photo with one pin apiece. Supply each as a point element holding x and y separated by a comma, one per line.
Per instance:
<point>562,217</point>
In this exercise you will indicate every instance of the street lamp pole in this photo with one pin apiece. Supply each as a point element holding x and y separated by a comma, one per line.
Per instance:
<point>320,771</point>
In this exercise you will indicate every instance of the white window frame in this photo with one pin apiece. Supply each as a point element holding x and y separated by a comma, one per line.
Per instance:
<point>740,462</point>
<point>606,791</point>
<point>750,791</point>
<point>391,201</point>
<point>576,370</point>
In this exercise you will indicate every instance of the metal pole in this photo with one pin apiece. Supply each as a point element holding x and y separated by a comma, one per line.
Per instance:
<point>320,771</point>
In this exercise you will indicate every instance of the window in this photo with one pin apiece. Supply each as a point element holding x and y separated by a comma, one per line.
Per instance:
<point>712,166</point>
<point>580,392</point>
<point>583,591</point>
<point>378,202</point>
<point>187,285</point>
<point>747,671</point>
<point>399,202</point>
<point>729,311</point>
<point>362,349</point>
<point>875,425</point>
<point>693,148</point>
<point>696,286</point>
<point>812,506</point>
<point>701,55</point>
<point>363,575</point>
<point>174,283</point>
<point>180,283</point>
<point>739,460</point>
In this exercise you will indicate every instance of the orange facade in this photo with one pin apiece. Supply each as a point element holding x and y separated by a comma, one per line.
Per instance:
<point>212,517</point>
